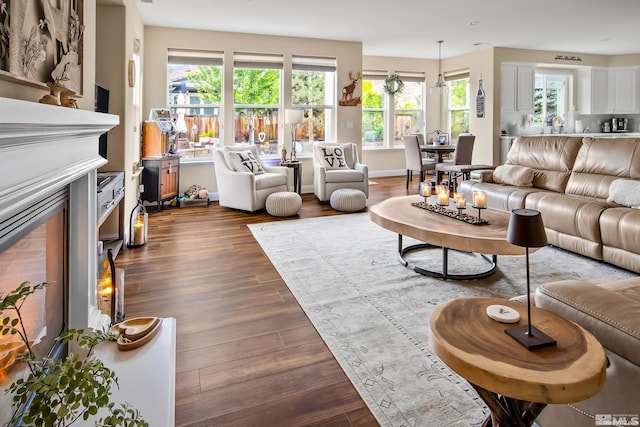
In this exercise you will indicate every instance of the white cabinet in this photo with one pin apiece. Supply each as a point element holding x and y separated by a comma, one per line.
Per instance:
<point>623,90</point>
<point>592,90</point>
<point>518,81</point>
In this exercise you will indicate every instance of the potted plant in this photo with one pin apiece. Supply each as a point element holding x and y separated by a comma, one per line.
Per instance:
<point>61,391</point>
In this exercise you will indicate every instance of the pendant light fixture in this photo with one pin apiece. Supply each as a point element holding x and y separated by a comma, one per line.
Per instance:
<point>440,86</point>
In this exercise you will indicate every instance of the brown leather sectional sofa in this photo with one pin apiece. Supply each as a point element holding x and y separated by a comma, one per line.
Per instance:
<point>570,181</point>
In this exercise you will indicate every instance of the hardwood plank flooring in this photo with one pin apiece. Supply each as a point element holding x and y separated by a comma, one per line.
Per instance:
<point>246,353</point>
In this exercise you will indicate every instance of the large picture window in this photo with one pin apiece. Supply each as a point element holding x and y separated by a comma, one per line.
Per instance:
<point>195,100</point>
<point>257,80</point>
<point>313,83</point>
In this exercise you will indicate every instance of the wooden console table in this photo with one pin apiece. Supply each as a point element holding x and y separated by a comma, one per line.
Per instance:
<point>516,383</point>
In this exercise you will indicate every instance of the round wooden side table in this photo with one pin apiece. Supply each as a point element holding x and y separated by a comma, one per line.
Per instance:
<point>516,383</point>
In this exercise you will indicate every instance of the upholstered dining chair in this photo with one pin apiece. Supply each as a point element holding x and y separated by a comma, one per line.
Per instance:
<point>460,165</point>
<point>244,182</point>
<point>414,159</point>
<point>337,166</point>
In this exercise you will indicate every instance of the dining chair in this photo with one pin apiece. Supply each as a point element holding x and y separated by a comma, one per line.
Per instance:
<point>460,165</point>
<point>414,159</point>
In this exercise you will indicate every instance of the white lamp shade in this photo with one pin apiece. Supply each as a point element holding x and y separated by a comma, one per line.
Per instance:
<point>292,116</point>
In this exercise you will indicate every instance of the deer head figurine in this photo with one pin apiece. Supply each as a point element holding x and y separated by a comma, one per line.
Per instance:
<point>347,91</point>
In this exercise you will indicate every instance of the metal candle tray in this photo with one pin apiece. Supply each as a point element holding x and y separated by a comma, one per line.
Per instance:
<point>469,219</point>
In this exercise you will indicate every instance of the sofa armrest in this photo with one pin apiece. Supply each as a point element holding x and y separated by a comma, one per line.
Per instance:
<point>481,175</point>
<point>609,311</point>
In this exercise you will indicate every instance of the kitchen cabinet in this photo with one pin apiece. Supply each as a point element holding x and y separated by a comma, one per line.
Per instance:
<point>518,87</point>
<point>161,178</point>
<point>593,90</point>
<point>623,90</point>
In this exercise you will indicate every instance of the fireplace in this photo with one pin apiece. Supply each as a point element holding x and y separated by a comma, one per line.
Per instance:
<point>48,220</point>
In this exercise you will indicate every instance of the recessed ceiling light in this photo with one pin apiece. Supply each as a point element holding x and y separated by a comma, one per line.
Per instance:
<point>480,44</point>
<point>475,22</point>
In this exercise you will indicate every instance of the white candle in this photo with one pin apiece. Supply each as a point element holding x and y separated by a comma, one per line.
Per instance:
<point>457,196</point>
<point>138,233</point>
<point>462,203</point>
<point>426,189</point>
<point>443,198</point>
<point>479,199</point>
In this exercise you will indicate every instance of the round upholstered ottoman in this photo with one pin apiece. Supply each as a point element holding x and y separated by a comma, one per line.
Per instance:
<point>283,203</point>
<point>348,200</point>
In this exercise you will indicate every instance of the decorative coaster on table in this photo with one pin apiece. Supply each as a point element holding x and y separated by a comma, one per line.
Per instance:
<point>469,219</point>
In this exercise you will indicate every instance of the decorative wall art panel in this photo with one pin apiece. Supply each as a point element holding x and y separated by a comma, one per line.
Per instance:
<point>41,42</point>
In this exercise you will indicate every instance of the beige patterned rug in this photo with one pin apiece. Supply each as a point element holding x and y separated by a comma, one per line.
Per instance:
<point>373,313</point>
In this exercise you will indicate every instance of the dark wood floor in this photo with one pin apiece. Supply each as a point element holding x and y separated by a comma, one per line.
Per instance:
<point>246,353</point>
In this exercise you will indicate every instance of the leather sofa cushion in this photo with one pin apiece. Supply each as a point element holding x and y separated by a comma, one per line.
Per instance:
<point>552,158</point>
<point>569,214</point>
<point>620,228</point>
<point>268,180</point>
<point>502,197</point>
<point>608,310</point>
<point>344,175</point>
<point>598,165</point>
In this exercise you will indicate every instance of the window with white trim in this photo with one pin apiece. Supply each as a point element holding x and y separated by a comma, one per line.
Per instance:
<point>257,82</point>
<point>408,108</point>
<point>387,118</point>
<point>550,97</point>
<point>458,106</point>
<point>313,82</point>
<point>373,111</point>
<point>194,98</point>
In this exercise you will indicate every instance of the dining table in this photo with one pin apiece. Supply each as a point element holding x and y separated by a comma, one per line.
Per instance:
<point>438,150</point>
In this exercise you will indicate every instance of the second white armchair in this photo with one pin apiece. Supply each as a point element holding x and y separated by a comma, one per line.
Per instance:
<point>337,166</point>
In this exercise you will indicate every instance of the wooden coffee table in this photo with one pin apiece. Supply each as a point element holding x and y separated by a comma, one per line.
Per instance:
<point>516,383</point>
<point>439,231</point>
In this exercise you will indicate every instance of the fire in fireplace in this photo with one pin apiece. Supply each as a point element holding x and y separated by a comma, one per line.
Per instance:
<point>33,247</point>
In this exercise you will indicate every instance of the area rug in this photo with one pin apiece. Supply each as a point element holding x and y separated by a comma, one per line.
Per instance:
<point>373,313</point>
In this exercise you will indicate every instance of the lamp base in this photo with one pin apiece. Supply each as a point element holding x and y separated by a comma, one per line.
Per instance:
<point>537,339</point>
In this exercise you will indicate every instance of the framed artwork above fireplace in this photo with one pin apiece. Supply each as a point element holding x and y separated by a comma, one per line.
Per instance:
<point>42,42</point>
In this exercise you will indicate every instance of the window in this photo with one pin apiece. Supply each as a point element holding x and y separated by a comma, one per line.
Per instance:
<point>373,111</point>
<point>550,97</point>
<point>458,107</point>
<point>256,98</point>
<point>406,110</point>
<point>313,83</point>
<point>194,99</point>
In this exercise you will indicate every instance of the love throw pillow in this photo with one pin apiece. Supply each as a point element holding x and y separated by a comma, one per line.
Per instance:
<point>245,161</point>
<point>333,158</point>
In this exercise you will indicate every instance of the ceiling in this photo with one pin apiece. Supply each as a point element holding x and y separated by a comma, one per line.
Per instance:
<point>411,28</point>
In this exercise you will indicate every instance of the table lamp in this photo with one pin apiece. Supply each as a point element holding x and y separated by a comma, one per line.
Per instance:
<point>526,229</point>
<point>293,117</point>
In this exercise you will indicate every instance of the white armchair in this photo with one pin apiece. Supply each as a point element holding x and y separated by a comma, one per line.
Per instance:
<point>337,166</point>
<point>244,182</point>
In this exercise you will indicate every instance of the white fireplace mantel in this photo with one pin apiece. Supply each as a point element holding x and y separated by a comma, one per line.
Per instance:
<point>44,148</point>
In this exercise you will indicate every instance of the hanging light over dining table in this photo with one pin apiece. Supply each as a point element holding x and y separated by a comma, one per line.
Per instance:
<point>440,86</point>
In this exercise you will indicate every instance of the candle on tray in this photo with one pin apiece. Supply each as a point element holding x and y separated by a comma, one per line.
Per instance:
<point>462,203</point>
<point>426,189</point>
<point>479,199</point>
<point>443,198</point>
